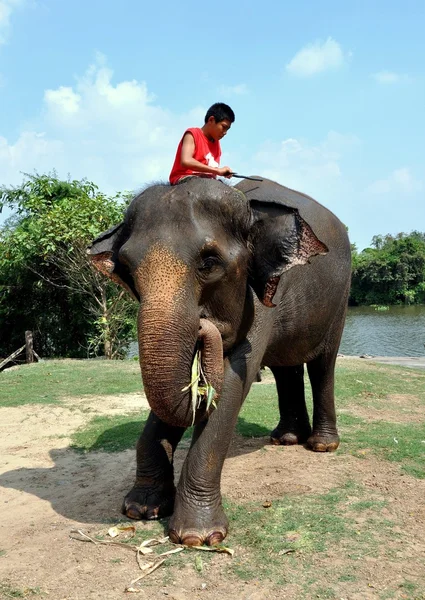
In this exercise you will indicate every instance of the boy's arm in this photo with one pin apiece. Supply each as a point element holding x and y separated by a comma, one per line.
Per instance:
<point>187,160</point>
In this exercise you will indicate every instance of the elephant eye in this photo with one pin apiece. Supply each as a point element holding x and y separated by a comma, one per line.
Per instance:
<point>210,264</point>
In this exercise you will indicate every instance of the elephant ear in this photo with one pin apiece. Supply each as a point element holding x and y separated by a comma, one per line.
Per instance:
<point>281,239</point>
<point>103,253</point>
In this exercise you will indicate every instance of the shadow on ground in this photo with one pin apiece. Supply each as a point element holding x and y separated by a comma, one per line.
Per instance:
<point>89,487</point>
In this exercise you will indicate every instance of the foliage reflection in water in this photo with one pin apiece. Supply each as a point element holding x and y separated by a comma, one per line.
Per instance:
<point>398,331</point>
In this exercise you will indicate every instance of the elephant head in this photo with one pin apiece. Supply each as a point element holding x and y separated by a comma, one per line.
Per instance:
<point>192,254</point>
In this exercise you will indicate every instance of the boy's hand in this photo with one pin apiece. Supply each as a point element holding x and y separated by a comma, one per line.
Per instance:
<point>225,172</point>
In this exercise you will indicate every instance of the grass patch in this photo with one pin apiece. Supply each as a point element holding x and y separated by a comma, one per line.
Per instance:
<point>259,414</point>
<point>49,381</point>
<point>284,542</point>
<point>109,434</point>
<point>112,434</point>
<point>395,442</point>
<point>9,591</point>
<point>369,384</point>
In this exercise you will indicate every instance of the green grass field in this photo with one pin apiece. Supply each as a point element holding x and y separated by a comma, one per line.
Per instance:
<point>50,381</point>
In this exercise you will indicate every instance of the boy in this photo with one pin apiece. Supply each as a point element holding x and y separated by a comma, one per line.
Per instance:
<point>199,150</point>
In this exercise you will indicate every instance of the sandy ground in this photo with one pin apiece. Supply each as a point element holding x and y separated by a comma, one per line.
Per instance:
<point>414,362</point>
<point>47,490</point>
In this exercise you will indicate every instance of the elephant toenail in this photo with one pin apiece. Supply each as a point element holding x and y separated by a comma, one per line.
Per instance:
<point>215,538</point>
<point>191,539</point>
<point>135,511</point>
<point>174,536</point>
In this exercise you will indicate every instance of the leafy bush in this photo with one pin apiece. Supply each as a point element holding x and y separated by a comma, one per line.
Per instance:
<point>46,283</point>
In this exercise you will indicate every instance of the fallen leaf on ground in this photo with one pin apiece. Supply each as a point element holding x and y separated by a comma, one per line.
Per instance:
<point>144,550</point>
<point>222,549</point>
<point>171,552</point>
<point>149,570</point>
<point>113,532</point>
<point>154,542</point>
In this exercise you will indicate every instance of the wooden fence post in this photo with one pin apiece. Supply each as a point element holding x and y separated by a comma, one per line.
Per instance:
<point>29,351</point>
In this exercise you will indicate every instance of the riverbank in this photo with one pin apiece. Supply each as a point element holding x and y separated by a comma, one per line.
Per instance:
<point>413,362</point>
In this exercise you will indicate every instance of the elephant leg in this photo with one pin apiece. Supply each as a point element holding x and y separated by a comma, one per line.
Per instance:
<point>153,493</point>
<point>324,437</point>
<point>294,424</point>
<point>198,516</point>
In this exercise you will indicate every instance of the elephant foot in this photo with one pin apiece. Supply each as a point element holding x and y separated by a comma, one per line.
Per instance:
<point>323,442</point>
<point>280,437</point>
<point>149,502</point>
<point>201,527</point>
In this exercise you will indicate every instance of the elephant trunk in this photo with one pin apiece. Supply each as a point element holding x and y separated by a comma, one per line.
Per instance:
<point>211,346</point>
<point>167,347</point>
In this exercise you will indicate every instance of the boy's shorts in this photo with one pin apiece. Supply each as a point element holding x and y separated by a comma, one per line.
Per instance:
<point>187,177</point>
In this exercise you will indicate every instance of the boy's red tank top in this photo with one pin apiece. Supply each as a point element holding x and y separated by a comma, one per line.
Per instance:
<point>206,152</point>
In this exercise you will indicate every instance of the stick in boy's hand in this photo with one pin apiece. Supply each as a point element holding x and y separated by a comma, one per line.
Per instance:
<point>246,177</point>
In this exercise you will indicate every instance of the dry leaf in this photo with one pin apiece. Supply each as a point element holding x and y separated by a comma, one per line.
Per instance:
<point>86,538</point>
<point>154,542</point>
<point>143,550</point>
<point>222,549</point>
<point>147,542</point>
<point>142,566</point>
<point>127,528</point>
<point>113,532</point>
<point>148,571</point>
<point>171,552</point>
<point>163,540</point>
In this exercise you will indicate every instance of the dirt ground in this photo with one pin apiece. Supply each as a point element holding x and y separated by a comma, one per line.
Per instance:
<point>48,490</point>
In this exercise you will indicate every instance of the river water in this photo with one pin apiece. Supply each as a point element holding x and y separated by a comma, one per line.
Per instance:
<point>399,331</point>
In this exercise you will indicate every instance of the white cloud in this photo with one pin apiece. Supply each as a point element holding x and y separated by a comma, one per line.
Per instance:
<point>316,58</point>
<point>390,77</point>
<point>6,9</point>
<point>64,100</point>
<point>112,133</point>
<point>233,90</point>
<point>400,181</point>
<point>300,165</point>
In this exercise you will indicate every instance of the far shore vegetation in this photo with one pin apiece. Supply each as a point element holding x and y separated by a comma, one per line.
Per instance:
<point>47,285</point>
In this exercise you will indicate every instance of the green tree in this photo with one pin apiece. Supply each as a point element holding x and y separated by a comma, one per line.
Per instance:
<point>46,283</point>
<point>392,271</point>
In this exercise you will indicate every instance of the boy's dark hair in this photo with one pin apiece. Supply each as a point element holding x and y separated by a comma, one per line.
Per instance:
<point>220,112</point>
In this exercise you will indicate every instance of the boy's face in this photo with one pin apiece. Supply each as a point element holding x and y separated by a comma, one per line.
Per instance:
<point>217,130</point>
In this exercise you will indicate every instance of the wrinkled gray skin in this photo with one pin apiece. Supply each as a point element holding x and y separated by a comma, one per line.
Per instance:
<point>253,275</point>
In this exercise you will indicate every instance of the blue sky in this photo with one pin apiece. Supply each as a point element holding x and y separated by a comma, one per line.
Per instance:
<point>329,96</point>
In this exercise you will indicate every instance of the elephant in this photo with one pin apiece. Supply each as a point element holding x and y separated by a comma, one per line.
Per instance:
<point>251,275</point>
